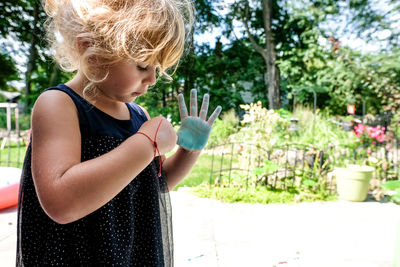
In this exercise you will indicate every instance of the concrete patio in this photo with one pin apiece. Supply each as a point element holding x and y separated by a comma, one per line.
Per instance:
<point>320,234</point>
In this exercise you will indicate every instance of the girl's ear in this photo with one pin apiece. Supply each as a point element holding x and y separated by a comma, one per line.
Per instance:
<point>82,44</point>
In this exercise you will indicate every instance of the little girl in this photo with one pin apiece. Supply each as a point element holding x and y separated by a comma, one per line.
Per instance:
<point>95,181</point>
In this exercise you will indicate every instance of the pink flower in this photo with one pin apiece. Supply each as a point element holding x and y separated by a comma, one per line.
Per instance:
<point>240,149</point>
<point>368,134</point>
<point>369,151</point>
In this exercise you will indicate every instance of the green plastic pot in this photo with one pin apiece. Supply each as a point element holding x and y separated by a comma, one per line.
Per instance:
<point>353,182</point>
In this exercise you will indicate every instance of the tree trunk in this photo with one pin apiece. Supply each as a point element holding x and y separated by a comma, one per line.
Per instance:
<point>32,52</point>
<point>268,53</point>
<point>272,69</point>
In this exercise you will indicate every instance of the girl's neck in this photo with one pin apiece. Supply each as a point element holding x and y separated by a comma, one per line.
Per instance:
<point>77,83</point>
<point>102,102</point>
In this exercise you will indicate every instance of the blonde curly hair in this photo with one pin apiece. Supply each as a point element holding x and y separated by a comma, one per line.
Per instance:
<point>146,31</point>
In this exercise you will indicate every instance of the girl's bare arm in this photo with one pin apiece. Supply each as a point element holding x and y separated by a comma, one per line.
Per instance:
<point>177,166</point>
<point>68,189</point>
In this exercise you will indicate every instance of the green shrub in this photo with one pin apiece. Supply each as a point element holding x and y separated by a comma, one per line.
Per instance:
<point>223,128</point>
<point>394,187</point>
<point>319,130</point>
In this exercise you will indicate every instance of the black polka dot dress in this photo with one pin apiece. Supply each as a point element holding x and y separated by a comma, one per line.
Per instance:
<point>133,229</point>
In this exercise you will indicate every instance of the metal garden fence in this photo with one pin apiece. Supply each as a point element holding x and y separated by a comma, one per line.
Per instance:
<point>292,164</point>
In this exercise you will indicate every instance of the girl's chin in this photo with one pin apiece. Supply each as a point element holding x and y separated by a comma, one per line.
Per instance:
<point>126,99</point>
<point>136,94</point>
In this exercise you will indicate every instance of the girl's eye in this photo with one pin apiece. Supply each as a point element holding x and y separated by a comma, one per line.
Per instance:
<point>142,68</point>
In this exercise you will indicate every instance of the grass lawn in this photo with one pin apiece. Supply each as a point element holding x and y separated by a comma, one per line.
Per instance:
<point>260,194</point>
<point>12,156</point>
<point>201,171</point>
<point>199,180</point>
<point>199,174</point>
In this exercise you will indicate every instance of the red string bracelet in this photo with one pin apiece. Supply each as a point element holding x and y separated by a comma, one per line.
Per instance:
<point>155,146</point>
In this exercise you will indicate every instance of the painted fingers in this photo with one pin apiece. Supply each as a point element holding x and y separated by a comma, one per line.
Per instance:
<point>204,107</point>
<point>182,107</point>
<point>193,103</point>
<point>214,115</point>
<point>193,107</point>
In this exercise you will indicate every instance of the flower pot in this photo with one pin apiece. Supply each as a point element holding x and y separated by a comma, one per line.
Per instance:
<point>353,182</point>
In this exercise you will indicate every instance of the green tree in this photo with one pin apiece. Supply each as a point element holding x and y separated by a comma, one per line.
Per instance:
<point>8,71</point>
<point>22,21</point>
<point>258,24</point>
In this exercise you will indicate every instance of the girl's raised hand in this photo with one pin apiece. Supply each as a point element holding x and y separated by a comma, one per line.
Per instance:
<point>195,130</point>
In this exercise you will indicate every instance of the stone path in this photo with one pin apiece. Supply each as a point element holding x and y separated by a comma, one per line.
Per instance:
<point>320,234</point>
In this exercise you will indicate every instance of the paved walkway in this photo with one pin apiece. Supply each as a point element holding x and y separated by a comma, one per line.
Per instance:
<point>320,234</point>
<point>8,235</point>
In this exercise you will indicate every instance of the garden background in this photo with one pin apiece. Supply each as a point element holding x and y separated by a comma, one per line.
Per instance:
<point>284,73</point>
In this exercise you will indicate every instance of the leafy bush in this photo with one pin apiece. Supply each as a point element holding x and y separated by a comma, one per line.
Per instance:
<point>262,127</point>
<point>269,128</point>
<point>319,130</point>
<point>223,128</point>
<point>393,187</point>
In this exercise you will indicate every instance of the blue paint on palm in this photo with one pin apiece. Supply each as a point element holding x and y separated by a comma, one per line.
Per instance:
<point>193,133</point>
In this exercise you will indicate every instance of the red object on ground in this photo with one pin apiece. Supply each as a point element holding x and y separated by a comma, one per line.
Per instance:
<point>9,195</point>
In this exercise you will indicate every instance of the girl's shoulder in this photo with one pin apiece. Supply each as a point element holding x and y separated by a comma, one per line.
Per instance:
<point>54,113</point>
<point>53,102</point>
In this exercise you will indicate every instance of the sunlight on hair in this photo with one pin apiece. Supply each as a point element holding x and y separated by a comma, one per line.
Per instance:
<point>150,32</point>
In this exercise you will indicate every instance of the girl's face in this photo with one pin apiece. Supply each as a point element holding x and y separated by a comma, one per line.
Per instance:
<point>127,80</point>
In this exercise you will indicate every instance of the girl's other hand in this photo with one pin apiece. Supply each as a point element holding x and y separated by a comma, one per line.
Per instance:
<point>195,130</point>
<point>165,137</point>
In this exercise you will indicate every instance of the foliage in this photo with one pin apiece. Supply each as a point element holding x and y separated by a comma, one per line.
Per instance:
<point>223,128</point>
<point>261,127</point>
<point>199,174</point>
<point>338,74</point>
<point>8,71</point>
<point>12,155</point>
<point>161,99</point>
<point>367,17</point>
<point>394,188</point>
<point>201,171</point>
<point>259,194</point>
<point>394,128</point>
<point>232,76</point>
<point>381,74</point>
<point>353,78</point>
<point>268,167</point>
<point>368,135</point>
<point>248,176</point>
<point>268,128</point>
<point>231,71</point>
<point>319,130</point>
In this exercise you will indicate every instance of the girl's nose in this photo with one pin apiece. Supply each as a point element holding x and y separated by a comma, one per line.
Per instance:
<point>150,77</point>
